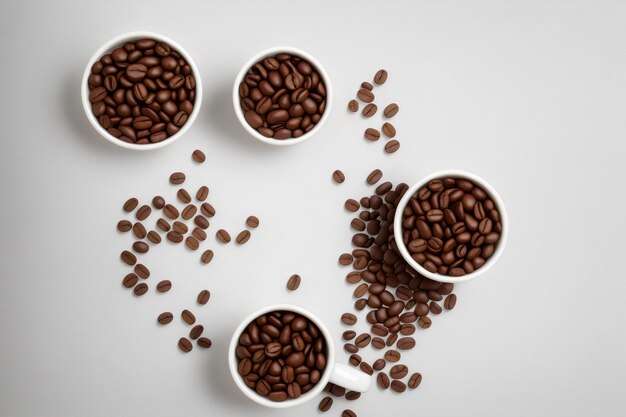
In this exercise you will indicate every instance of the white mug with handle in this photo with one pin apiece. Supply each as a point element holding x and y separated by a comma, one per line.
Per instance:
<point>337,373</point>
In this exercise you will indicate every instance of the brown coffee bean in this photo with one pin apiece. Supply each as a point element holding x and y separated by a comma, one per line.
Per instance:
<point>398,386</point>
<point>207,256</point>
<point>192,243</point>
<point>380,77</point>
<point>355,359</point>
<point>365,96</point>
<point>325,404</point>
<point>372,134</point>
<point>367,86</point>
<point>348,413</point>
<point>352,205</point>
<point>415,380</point>
<point>252,221</point>
<point>124,226</point>
<point>392,355</point>
<point>345,259</point>
<point>128,258</point>
<point>143,212</point>
<point>352,395</point>
<point>199,234</point>
<point>165,318</point>
<point>201,222</point>
<point>348,318</point>
<point>348,335</point>
<point>337,390</point>
<point>389,130</point>
<point>202,193</point>
<point>185,345</point>
<point>374,176</point>
<point>196,331</point>
<point>164,286</point>
<point>154,237</point>
<point>183,196</point>
<point>170,211</point>
<point>140,247</point>
<point>450,302</point>
<point>379,364</point>
<point>294,282</point>
<point>338,176</point>
<point>398,371</point>
<point>223,236</point>
<point>365,367</point>
<point>424,322</point>
<point>353,106</point>
<point>130,280</point>
<point>174,237</point>
<point>203,297</point>
<point>140,289</point>
<point>188,212</point>
<point>205,342</point>
<point>382,380</point>
<point>139,230</point>
<point>391,110</point>
<point>142,271</point>
<point>363,340</point>
<point>198,156</point>
<point>188,317</point>
<point>392,146</point>
<point>350,348</point>
<point>243,237</point>
<point>177,178</point>
<point>369,110</point>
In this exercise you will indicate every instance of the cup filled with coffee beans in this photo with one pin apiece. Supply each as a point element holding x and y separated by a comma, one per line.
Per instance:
<point>451,226</point>
<point>282,96</point>
<point>141,90</point>
<point>282,356</point>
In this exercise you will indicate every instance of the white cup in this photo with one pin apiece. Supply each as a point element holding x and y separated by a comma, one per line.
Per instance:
<point>337,373</point>
<point>491,192</point>
<point>115,43</point>
<point>271,52</point>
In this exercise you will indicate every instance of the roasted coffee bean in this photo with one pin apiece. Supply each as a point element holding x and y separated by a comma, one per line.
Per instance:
<point>391,110</point>
<point>379,364</point>
<point>140,289</point>
<point>192,243</point>
<point>348,318</point>
<point>165,318</point>
<point>252,221</point>
<point>203,297</point>
<point>202,193</point>
<point>392,146</point>
<point>380,77</point>
<point>164,286</point>
<point>325,404</point>
<point>185,345</point>
<point>142,271</point>
<point>170,211</point>
<point>398,386</point>
<point>207,256</point>
<point>338,176</point>
<point>202,223</point>
<point>415,380</point>
<point>337,390</point>
<point>389,130</point>
<point>345,259</point>
<point>174,237</point>
<point>198,156</point>
<point>353,106</point>
<point>141,247</point>
<point>294,282</point>
<point>365,95</point>
<point>349,335</point>
<point>350,348</point>
<point>365,367</point>
<point>205,342</point>
<point>188,317</point>
<point>223,236</point>
<point>196,331</point>
<point>243,237</point>
<point>124,225</point>
<point>352,395</point>
<point>143,212</point>
<point>372,134</point>
<point>363,340</point>
<point>183,196</point>
<point>374,176</point>
<point>405,343</point>
<point>367,86</point>
<point>450,302</point>
<point>188,212</point>
<point>398,371</point>
<point>352,205</point>
<point>382,380</point>
<point>355,359</point>
<point>154,237</point>
<point>392,355</point>
<point>128,258</point>
<point>199,234</point>
<point>130,280</point>
<point>177,178</point>
<point>369,110</point>
<point>163,225</point>
<point>348,413</point>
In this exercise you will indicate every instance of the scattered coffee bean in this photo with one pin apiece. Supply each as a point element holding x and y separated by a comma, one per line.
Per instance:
<point>398,386</point>
<point>188,317</point>
<point>398,371</point>
<point>174,237</point>
<point>325,404</point>
<point>294,282</point>
<point>348,318</point>
<point>338,176</point>
<point>345,259</point>
<point>128,258</point>
<point>163,225</point>
<point>124,226</point>
<point>349,335</point>
<point>205,342</point>
<point>391,110</point>
<point>392,355</point>
<point>207,256</point>
<point>363,340</point>
<point>130,280</point>
<point>382,380</point>
<point>348,413</point>
<point>450,302</point>
<point>142,271</point>
<point>243,237</point>
<point>352,205</point>
<point>415,380</point>
<point>374,176</point>
<point>207,210</point>
<point>350,348</point>
<point>355,359</point>
<point>365,96</point>
<point>201,222</point>
<point>196,331</point>
<point>143,212</point>
<point>170,211</point>
<point>180,227</point>
<point>252,221</point>
<point>392,146</point>
<point>198,156</point>
<point>203,297</point>
<point>158,202</point>
<point>405,343</point>
<point>202,193</point>
<point>353,395</point>
<point>140,289</point>
<point>130,204</point>
<point>154,237</point>
<point>164,286</point>
<point>177,178</point>
<point>337,391</point>
<point>183,196</point>
<point>165,318</point>
<point>372,134</point>
<point>141,247</point>
<point>424,322</point>
<point>365,367</point>
<point>369,110</point>
<point>185,345</point>
<point>353,106</point>
<point>223,236</point>
<point>389,130</point>
<point>199,234</point>
<point>379,364</point>
<point>139,230</point>
<point>192,243</point>
<point>380,77</point>
<point>367,86</point>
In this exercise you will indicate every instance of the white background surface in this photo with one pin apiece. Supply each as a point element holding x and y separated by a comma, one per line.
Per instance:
<point>529,95</point>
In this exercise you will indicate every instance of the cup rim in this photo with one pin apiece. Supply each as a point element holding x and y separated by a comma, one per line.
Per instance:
<point>397,225</point>
<point>232,358</point>
<point>270,52</point>
<point>107,47</point>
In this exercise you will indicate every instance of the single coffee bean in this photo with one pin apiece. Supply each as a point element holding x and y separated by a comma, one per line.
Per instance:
<point>207,256</point>
<point>372,134</point>
<point>143,212</point>
<point>140,289</point>
<point>124,226</point>
<point>139,231</point>
<point>223,236</point>
<point>192,243</point>
<point>415,380</point>
<point>198,156</point>
<point>380,77</point>
<point>205,342</point>
<point>177,178</point>
<point>174,237</point>
<point>142,271</point>
<point>398,371</point>
<point>349,335</point>
<point>243,237</point>
<point>379,364</point>
<point>188,317</point>
<point>353,106</point>
<point>183,196</point>
<point>450,302</point>
<point>140,247</point>
<point>355,359</point>
<point>348,413</point>
<point>391,110</point>
<point>130,280</point>
<point>163,225</point>
<point>294,282</point>
<point>367,86</point>
<point>128,258</point>
<point>165,318</point>
<point>325,404</point>
<point>199,234</point>
<point>252,221</point>
<point>382,380</point>
<point>398,386</point>
<point>352,205</point>
<point>337,390</point>
<point>185,345</point>
<point>188,212</point>
<point>345,259</point>
<point>389,130</point>
<point>196,331</point>
<point>369,110</point>
<point>392,355</point>
<point>365,96</point>
<point>202,193</point>
<point>338,176</point>
<point>365,367</point>
<point>363,340</point>
<point>352,395</point>
<point>201,222</point>
<point>348,318</point>
<point>424,322</point>
<point>164,286</point>
<point>392,146</point>
<point>374,176</point>
<point>154,237</point>
<point>170,211</point>
<point>350,348</point>
<point>203,297</point>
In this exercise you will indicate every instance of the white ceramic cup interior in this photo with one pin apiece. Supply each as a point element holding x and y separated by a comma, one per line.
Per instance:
<point>271,52</point>
<point>337,373</point>
<point>110,46</point>
<point>397,225</point>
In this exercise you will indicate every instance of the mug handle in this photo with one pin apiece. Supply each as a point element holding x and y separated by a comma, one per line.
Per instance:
<point>350,378</point>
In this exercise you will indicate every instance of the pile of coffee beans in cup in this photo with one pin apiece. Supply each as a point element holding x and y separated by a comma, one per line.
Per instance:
<point>451,226</point>
<point>142,92</point>
<point>283,96</point>
<point>281,355</point>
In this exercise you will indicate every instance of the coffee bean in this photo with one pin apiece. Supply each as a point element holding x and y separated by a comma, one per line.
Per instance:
<point>450,302</point>
<point>365,367</point>
<point>353,395</point>
<point>201,222</point>
<point>183,196</point>
<point>337,390</point>
<point>349,335</point>
<point>192,243</point>
<point>367,86</point>
<point>365,96</point>
<point>177,178</point>
<point>374,176</point>
<point>325,404</point>
<point>199,234</point>
<point>352,205</point>
<point>392,355</point>
<point>142,271</point>
<point>358,225</point>
<point>392,146</point>
<point>398,386</point>
<point>345,259</point>
<point>243,237</point>
<point>139,231</point>
<point>170,211</point>
<point>196,331</point>
<point>363,340</point>
<point>391,110</point>
<point>398,371</point>
<point>174,237</point>
<point>140,247</point>
<point>154,237</point>
<point>223,236</point>
<point>415,380</point>
<point>198,156</point>
<point>202,193</point>
<point>294,282</point>
<point>380,77</point>
<point>188,317</point>
<point>350,348</point>
<point>207,256</point>
<point>124,226</point>
<point>379,364</point>
<point>205,342</point>
<point>164,286</point>
<point>140,289</point>
<point>348,413</point>
<point>353,106</point>
<point>143,212</point>
<point>372,134</point>
<point>130,280</point>
<point>338,176</point>
<point>382,380</point>
<point>348,318</point>
<point>355,360</point>
<point>203,297</point>
<point>389,130</point>
<point>185,345</point>
<point>128,258</point>
<point>252,221</point>
<point>163,225</point>
<point>424,322</point>
<point>369,110</point>
<point>165,318</point>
